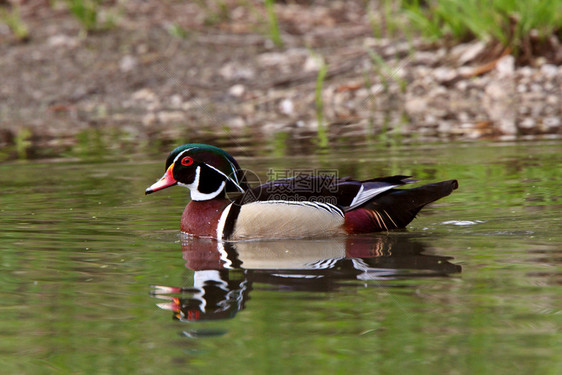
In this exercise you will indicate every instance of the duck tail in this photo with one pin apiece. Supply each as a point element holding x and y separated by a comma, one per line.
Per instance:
<point>396,208</point>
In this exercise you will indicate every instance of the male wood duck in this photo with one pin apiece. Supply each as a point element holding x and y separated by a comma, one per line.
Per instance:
<point>299,207</point>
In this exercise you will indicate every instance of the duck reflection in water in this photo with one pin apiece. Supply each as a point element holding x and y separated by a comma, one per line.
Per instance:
<point>226,272</point>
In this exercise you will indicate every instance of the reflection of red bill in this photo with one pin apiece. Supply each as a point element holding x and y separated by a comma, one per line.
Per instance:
<point>166,181</point>
<point>174,306</point>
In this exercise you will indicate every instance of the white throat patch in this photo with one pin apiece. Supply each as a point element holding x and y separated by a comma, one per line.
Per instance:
<point>196,195</point>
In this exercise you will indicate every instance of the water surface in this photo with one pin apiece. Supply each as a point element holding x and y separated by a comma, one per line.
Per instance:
<point>96,279</point>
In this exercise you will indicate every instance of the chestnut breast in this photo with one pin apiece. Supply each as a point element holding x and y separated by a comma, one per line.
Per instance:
<point>200,218</point>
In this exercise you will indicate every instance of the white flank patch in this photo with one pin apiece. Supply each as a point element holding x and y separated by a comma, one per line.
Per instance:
<point>222,222</point>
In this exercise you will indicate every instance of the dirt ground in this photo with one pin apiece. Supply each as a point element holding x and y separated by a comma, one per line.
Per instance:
<point>194,71</point>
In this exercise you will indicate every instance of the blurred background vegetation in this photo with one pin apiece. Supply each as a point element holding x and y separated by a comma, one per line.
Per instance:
<point>94,68</point>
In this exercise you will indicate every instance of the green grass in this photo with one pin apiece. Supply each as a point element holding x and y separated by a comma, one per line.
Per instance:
<point>85,11</point>
<point>509,22</point>
<point>93,15</point>
<point>386,72</point>
<point>177,31</point>
<point>383,18</point>
<point>216,12</point>
<point>274,32</point>
<point>13,20</point>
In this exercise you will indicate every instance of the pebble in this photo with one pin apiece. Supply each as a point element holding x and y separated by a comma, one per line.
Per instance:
<point>167,117</point>
<point>287,107</point>
<point>527,123</point>
<point>4,29</point>
<point>468,51</point>
<point>425,58</point>
<point>312,64</point>
<point>549,70</point>
<point>535,87</point>
<point>552,122</point>
<point>552,99</point>
<point>461,85</point>
<point>61,40</point>
<point>236,122</point>
<point>444,74</point>
<point>525,71</point>
<point>233,71</point>
<point>176,101</point>
<point>505,66</point>
<point>237,90</point>
<point>128,63</point>
<point>144,95</point>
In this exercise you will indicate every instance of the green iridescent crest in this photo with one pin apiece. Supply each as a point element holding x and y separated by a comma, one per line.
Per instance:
<point>214,158</point>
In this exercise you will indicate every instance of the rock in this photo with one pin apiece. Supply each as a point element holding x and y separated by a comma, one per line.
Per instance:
<point>287,107</point>
<point>61,40</point>
<point>505,66</point>
<point>444,127</point>
<point>416,105</point>
<point>523,110</point>
<point>312,64</point>
<point>444,74</point>
<point>467,52</point>
<point>506,125</point>
<point>232,71</point>
<point>463,116</point>
<point>552,99</point>
<point>500,106</point>
<point>278,59</point>
<point>549,70</point>
<point>551,122</point>
<point>4,29</point>
<point>461,85</point>
<point>167,117</point>
<point>527,123</point>
<point>237,90</point>
<point>535,87</point>
<point>176,101</point>
<point>236,123</point>
<point>148,119</point>
<point>425,58</point>
<point>142,49</point>
<point>526,71</point>
<point>144,95</point>
<point>128,63</point>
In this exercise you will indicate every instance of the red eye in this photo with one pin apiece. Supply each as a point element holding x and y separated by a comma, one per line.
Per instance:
<point>187,161</point>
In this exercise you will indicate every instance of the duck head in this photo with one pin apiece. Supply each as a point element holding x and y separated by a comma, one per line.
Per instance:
<point>207,171</point>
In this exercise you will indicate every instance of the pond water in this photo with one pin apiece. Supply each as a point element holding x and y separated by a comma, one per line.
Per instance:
<point>96,279</point>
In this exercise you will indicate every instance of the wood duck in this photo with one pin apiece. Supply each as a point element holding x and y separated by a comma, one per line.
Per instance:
<point>223,206</point>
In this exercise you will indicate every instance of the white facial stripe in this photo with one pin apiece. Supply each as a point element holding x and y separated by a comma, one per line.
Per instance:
<point>235,181</point>
<point>233,167</point>
<point>181,153</point>
<point>222,222</point>
<point>364,195</point>
<point>231,180</point>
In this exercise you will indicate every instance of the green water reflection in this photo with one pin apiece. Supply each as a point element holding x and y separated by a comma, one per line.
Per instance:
<point>473,286</point>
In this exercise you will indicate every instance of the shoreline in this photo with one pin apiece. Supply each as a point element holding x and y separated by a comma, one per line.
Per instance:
<point>141,84</point>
